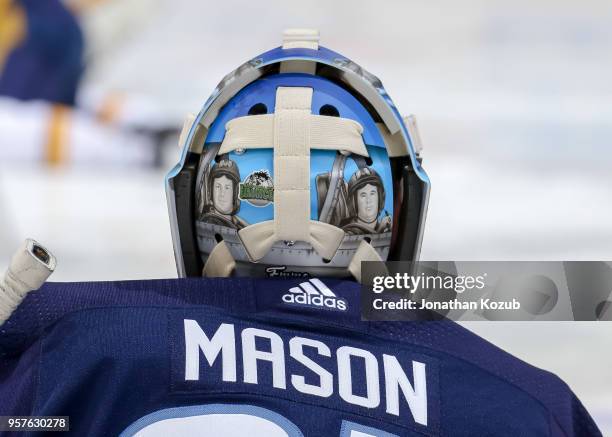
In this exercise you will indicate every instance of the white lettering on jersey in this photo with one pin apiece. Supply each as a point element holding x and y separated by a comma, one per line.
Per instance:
<point>395,379</point>
<point>250,356</point>
<point>345,380</point>
<point>223,342</point>
<point>326,380</point>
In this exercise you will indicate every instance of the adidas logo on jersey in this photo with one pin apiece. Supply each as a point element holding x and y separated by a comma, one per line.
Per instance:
<point>316,294</point>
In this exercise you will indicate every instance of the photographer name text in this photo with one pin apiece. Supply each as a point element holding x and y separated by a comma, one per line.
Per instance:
<point>481,304</point>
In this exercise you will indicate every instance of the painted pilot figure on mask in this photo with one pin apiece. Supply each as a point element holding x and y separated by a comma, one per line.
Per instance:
<point>223,183</point>
<point>366,200</point>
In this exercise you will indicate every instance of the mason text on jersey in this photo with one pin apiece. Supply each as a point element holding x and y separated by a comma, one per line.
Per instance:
<point>396,386</point>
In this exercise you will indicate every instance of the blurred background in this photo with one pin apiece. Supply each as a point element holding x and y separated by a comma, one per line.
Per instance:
<point>513,98</point>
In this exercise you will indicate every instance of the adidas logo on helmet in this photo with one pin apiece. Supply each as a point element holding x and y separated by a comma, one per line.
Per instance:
<point>315,293</point>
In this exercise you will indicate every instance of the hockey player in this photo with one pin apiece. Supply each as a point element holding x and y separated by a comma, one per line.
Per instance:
<point>236,353</point>
<point>45,116</point>
<point>43,54</point>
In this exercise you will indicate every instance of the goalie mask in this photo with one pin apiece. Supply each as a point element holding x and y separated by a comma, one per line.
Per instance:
<point>298,165</point>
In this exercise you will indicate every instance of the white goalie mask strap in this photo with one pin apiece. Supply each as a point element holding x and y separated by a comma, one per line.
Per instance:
<point>220,262</point>
<point>365,252</point>
<point>324,133</point>
<point>291,128</point>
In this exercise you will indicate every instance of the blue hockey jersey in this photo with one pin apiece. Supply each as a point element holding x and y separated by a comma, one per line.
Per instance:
<point>236,357</point>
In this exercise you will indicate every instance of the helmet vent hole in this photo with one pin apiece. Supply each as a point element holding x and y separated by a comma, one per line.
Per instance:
<point>329,110</point>
<point>218,238</point>
<point>258,109</point>
<point>326,261</point>
<point>367,240</point>
<point>368,161</point>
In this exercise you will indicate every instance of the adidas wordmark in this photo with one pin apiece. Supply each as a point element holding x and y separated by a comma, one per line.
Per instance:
<point>316,294</point>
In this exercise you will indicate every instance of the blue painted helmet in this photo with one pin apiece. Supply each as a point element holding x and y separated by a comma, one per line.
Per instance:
<point>300,165</point>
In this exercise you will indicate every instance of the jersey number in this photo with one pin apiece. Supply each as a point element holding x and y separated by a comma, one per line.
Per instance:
<point>222,420</point>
